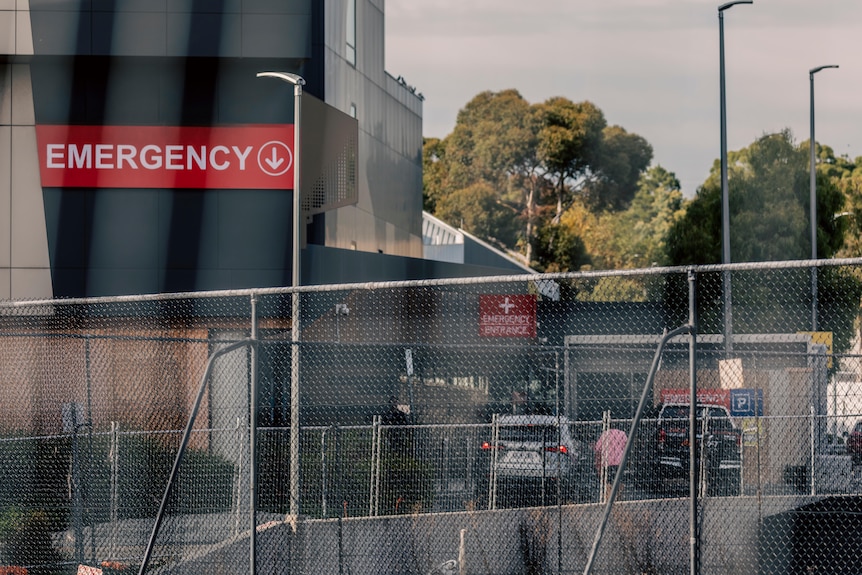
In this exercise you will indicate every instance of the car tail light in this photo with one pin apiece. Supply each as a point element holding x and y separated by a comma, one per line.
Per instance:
<point>662,435</point>
<point>487,446</point>
<point>561,448</point>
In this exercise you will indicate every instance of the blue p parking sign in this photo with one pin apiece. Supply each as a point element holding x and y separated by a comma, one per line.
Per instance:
<point>746,402</point>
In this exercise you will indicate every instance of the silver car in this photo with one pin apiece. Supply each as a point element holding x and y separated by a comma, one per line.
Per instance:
<point>528,456</point>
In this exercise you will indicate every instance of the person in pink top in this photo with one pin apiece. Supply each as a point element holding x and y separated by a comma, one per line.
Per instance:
<point>609,451</point>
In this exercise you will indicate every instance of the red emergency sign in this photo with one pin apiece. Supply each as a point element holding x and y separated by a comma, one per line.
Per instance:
<point>235,157</point>
<point>507,315</point>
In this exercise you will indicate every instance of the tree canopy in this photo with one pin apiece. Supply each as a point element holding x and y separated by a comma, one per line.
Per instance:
<point>769,199</point>
<point>554,181</point>
<point>530,163</point>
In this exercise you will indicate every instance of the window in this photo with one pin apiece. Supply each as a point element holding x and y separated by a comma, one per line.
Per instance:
<point>351,32</point>
<point>352,110</point>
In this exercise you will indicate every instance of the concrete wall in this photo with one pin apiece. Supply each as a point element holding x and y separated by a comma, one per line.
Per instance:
<point>641,535</point>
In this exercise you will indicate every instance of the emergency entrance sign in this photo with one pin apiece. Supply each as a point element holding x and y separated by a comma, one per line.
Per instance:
<point>234,157</point>
<point>507,315</point>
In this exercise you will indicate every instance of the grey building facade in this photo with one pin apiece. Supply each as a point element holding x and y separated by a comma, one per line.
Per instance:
<point>133,66</point>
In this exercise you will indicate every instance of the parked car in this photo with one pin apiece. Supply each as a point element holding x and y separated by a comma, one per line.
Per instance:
<point>854,443</point>
<point>719,451</point>
<point>528,458</point>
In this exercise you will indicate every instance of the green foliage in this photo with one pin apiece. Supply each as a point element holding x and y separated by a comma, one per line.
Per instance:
<point>769,193</point>
<point>560,249</point>
<point>33,499</point>
<point>848,178</point>
<point>406,484</point>
<point>341,475</point>
<point>615,289</point>
<point>433,173</point>
<point>203,484</point>
<point>620,163</point>
<point>36,473</point>
<point>769,197</point>
<point>494,137</point>
<point>636,236</point>
<point>477,210</point>
<point>26,538</point>
<point>533,161</point>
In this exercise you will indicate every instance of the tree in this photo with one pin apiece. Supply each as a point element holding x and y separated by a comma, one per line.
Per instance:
<point>559,249</point>
<point>569,139</point>
<point>769,208</point>
<point>433,173</point>
<point>639,232</point>
<point>538,159</point>
<point>769,201</point>
<point>476,210</point>
<point>494,141</point>
<point>847,176</point>
<point>621,160</point>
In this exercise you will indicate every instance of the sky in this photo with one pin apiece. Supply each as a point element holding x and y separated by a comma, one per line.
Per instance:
<point>651,66</point>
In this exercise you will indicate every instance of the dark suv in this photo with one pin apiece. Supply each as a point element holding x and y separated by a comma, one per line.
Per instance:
<point>854,443</point>
<point>719,450</point>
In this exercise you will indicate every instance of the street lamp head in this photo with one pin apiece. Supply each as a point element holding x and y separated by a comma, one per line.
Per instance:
<point>813,71</point>
<point>294,79</point>
<point>727,5</point>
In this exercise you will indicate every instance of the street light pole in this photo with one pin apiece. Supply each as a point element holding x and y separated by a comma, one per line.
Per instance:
<point>813,187</point>
<point>298,82</point>
<point>725,201</point>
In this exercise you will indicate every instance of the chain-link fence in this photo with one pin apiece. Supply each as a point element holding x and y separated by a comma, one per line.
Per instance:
<point>480,426</point>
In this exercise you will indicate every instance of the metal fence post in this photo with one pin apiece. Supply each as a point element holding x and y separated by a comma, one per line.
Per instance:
<point>811,440</point>
<point>182,449</point>
<point>114,453</point>
<point>492,473</point>
<point>323,482</point>
<point>374,483</point>
<point>252,434</point>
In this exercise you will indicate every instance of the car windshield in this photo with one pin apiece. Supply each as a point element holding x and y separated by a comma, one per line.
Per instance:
<point>716,414</point>
<point>528,433</point>
<point>675,412</point>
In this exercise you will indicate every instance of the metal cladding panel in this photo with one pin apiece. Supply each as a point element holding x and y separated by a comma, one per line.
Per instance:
<point>29,243</point>
<point>200,28</point>
<point>5,94</point>
<point>61,32</point>
<point>329,157</point>
<point>60,5</point>
<point>109,242</point>
<point>201,35</point>
<point>477,254</point>
<point>129,5</point>
<point>7,32</point>
<point>276,36</point>
<point>370,41</point>
<point>129,33</point>
<point>5,194</point>
<point>5,283</point>
<point>26,283</point>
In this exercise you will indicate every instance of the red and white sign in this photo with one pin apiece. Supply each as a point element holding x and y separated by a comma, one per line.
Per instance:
<point>507,315</point>
<point>238,157</point>
<point>707,396</point>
